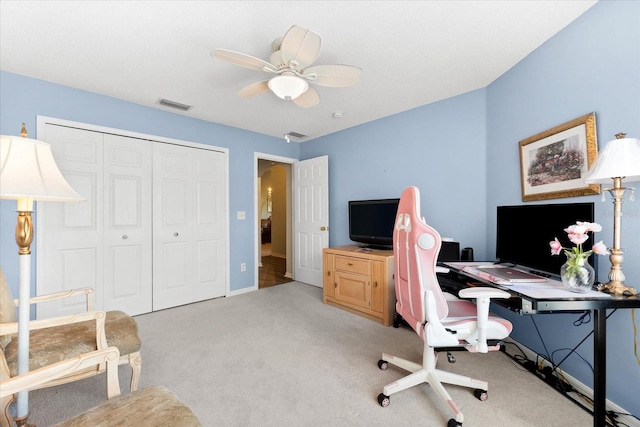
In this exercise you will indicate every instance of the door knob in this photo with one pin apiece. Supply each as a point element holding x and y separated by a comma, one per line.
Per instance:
<point>323,228</point>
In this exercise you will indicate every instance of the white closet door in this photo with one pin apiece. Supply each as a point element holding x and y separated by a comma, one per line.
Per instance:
<point>127,225</point>
<point>172,226</point>
<point>189,223</point>
<point>71,242</point>
<point>210,221</point>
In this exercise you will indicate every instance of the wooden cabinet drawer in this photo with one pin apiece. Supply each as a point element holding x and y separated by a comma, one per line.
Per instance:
<point>352,265</point>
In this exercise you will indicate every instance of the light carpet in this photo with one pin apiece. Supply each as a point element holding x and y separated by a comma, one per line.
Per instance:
<point>280,357</point>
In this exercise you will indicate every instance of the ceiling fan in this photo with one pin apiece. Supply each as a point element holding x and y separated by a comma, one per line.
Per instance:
<point>290,61</point>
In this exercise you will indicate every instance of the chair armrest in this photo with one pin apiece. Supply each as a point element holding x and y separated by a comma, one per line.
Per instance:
<point>98,316</point>
<point>483,293</point>
<point>66,367</point>
<point>483,297</point>
<point>88,292</point>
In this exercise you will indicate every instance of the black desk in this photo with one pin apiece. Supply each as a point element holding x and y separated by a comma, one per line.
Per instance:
<point>525,304</point>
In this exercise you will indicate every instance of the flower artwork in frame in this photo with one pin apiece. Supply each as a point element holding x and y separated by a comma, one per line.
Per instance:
<point>553,163</point>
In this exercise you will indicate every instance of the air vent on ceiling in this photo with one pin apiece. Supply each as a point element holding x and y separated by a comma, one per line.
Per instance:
<point>173,104</point>
<point>296,135</point>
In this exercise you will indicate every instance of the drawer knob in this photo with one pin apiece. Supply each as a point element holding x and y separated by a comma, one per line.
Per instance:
<point>124,237</point>
<point>350,264</point>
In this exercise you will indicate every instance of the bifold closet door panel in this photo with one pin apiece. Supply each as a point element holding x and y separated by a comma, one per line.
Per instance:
<point>71,249</point>
<point>210,221</point>
<point>173,261</point>
<point>189,225</point>
<point>127,224</point>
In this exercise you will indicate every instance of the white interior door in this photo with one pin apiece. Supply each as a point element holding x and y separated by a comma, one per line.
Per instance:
<point>127,225</point>
<point>311,218</point>
<point>104,242</point>
<point>172,224</point>
<point>189,225</point>
<point>70,244</point>
<point>210,219</point>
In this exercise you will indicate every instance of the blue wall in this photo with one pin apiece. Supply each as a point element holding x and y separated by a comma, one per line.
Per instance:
<point>440,148</point>
<point>23,98</point>
<point>463,154</point>
<point>591,66</point>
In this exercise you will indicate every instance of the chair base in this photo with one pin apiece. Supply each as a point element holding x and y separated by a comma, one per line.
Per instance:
<point>428,373</point>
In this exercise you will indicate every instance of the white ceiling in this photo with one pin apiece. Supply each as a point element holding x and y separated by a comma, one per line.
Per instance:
<point>412,52</point>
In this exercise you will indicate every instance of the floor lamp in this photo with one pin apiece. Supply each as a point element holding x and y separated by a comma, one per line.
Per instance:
<point>619,160</point>
<point>28,173</point>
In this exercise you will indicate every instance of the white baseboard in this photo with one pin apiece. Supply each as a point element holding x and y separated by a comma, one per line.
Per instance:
<point>625,420</point>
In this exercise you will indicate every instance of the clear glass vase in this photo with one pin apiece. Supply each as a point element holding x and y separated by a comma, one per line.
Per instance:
<point>577,274</point>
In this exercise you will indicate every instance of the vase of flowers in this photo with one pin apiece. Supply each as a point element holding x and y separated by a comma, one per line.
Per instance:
<point>577,274</point>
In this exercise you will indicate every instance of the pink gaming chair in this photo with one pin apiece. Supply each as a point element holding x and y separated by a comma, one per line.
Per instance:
<point>442,322</point>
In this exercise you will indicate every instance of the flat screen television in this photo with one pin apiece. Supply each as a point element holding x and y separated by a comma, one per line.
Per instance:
<point>371,221</point>
<point>524,232</point>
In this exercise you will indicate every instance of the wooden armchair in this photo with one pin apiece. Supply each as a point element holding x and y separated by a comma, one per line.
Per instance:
<point>152,406</point>
<point>57,339</point>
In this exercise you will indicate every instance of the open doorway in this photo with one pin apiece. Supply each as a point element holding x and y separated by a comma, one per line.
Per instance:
<point>274,220</point>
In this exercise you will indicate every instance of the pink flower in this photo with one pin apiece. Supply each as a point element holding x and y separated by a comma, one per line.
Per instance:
<point>578,238</point>
<point>600,248</point>
<point>590,226</point>
<point>556,247</point>
<point>578,234</point>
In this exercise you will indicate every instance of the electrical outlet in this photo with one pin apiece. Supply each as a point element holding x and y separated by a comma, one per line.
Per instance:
<point>241,215</point>
<point>243,266</point>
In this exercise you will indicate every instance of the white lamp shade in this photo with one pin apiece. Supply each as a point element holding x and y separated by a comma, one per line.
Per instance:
<point>287,86</point>
<point>619,159</point>
<point>28,170</point>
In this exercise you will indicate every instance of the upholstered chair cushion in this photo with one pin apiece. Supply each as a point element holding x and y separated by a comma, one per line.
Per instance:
<point>7,308</point>
<point>152,406</point>
<point>50,345</point>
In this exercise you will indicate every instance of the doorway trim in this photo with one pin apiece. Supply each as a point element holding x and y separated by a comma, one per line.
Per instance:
<point>256,211</point>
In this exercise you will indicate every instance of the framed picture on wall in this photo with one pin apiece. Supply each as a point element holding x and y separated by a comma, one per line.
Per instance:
<point>553,163</point>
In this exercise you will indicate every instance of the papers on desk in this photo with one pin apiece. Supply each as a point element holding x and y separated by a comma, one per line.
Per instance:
<point>550,289</point>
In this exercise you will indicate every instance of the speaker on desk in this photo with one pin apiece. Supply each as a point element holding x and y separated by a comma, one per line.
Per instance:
<point>467,254</point>
<point>450,251</point>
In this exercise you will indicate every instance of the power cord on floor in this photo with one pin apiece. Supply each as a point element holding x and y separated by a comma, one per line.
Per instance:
<point>555,377</point>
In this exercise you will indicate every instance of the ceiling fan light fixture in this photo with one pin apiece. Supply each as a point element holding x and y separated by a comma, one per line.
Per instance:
<point>287,86</point>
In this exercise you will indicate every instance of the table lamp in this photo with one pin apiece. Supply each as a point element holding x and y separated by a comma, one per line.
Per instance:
<point>619,160</point>
<point>28,173</point>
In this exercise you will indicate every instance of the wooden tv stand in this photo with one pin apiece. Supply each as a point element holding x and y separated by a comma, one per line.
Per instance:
<point>360,280</point>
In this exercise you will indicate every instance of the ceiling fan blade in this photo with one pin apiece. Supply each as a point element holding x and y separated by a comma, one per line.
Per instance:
<point>254,89</point>
<point>301,46</point>
<point>308,99</point>
<point>243,60</point>
<point>333,75</point>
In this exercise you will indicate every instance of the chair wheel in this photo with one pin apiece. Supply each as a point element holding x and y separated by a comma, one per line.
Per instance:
<point>383,364</point>
<point>450,357</point>
<point>453,423</point>
<point>481,394</point>
<point>383,400</point>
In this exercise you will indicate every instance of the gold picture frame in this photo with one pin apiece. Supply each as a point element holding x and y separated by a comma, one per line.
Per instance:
<point>553,163</point>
